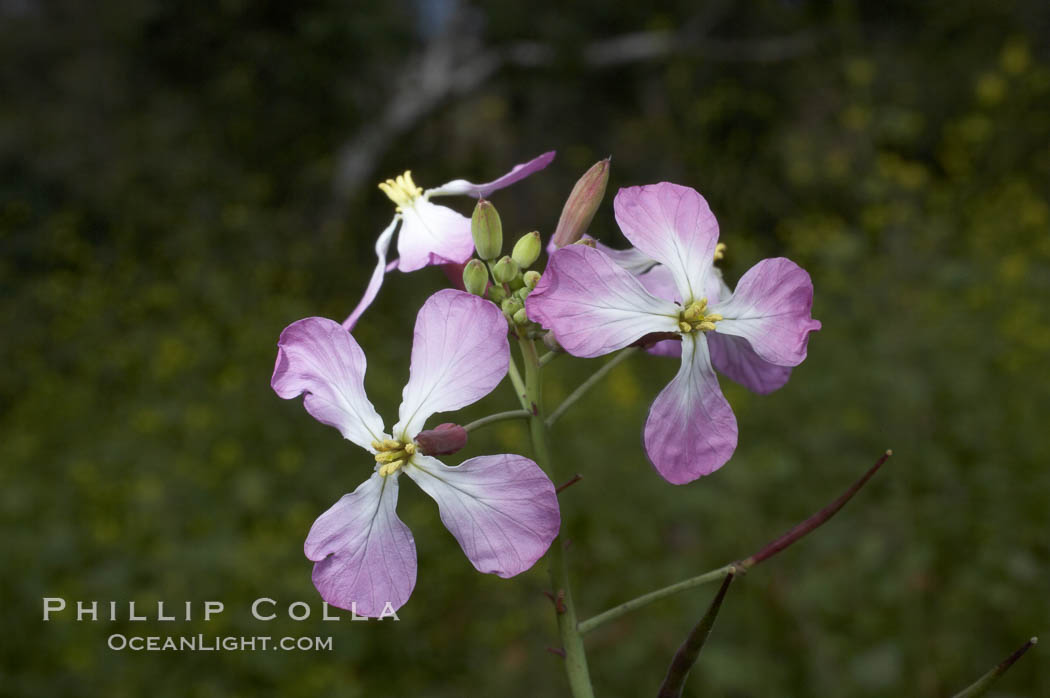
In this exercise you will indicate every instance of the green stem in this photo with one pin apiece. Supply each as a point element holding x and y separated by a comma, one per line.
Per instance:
<point>646,599</point>
<point>548,357</point>
<point>519,385</point>
<point>589,383</point>
<point>983,684</point>
<point>565,607</point>
<point>498,417</point>
<point>768,550</point>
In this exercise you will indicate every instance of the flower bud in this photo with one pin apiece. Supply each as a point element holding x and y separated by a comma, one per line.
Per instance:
<point>579,208</point>
<point>511,306</point>
<point>520,318</point>
<point>522,293</point>
<point>487,230</point>
<point>552,343</point>
<point>497,294</point>
<point>475,277</point>
<point>505,270</point>
<point>442,439</point>
<point>531,278</point>
<point>527,249</point>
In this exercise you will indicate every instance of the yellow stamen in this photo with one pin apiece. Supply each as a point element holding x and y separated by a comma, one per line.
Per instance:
<point>695,318</point>
<point>720,251</point>
<point>402,191</point>
<point>410,449</point>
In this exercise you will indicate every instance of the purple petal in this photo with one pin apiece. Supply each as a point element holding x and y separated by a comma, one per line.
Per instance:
<point>632,259</point>
<point>691,430</point>
<point>459,354</point>
<point>593,306</point>
<point>365,554</point>
<point>735,358</point>
<point>432,234</point>
<point>659,281</point>
<point>316,356</point>
<point>382,245</point>
<point>770,308</point>
<point>673,225</point>
<point>502,509</point>
<point>517,173</point>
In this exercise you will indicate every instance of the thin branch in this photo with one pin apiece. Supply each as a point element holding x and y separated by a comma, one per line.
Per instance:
<point>588,384</point>
<point>766,552</point>
<point>687,654</point>
<point>497,417</point>
<point>981,686</point>
<point>569,483</point>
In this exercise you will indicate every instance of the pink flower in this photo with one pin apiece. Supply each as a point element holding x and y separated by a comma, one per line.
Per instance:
<point>431,234</point>
<point>502,509</point>
<point>594,306</point>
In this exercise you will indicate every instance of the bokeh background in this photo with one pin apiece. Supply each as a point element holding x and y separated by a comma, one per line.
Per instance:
<point>180,181</point>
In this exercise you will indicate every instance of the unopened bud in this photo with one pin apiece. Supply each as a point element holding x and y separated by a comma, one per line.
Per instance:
<point>511,306</point>
<point>487,230</point>
<point>522,293</point>
<point>497,294</point>
<point>579,208</point>
<point>531,278</point>
<point>505,270</point>
<point>475,277</point>
<point>527,249</point>
<point>520,318</point>
<point>552,343</point>
<point>442,439</point>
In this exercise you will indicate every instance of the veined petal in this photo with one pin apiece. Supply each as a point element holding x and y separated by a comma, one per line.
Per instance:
<point>691,430</point>
<point>673,225</point>
<point>382,245</point>
<point>734,357</point>
<point>517,173</point>
<point>659,281</point>
<point>459,354</point>
<point>770,308</point>
<point>502,509</point>
<point>593,306</point>
<point>632,259</point>
<point>365,554</point>
<point>316,356</point>
<point>432,234</point>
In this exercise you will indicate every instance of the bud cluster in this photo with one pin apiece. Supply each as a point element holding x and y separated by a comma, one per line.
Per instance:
<point>505,280</point>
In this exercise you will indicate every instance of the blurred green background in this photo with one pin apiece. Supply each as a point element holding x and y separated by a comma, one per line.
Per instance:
<point>178,182</point>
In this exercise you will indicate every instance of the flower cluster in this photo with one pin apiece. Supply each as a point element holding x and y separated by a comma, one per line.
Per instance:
<point>663,293</point>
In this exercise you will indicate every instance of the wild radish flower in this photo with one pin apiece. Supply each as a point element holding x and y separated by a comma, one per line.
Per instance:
<point>430,234</point>
<point>595,306</point>
<point>502,509</point>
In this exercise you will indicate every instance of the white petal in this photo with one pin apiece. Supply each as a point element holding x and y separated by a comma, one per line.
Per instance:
<point>459,354</point>
<point>502,509</point>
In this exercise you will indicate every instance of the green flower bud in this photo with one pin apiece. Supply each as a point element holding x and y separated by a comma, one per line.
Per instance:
<point>527,249</point>
<point>475,277</point>
<point>522,293</point>
<point>505,270</point>
<point>579,208</point>
<point>511,306</point>
<point>497,294</point>
<point>487,230</point>
<point>520,318</point>
<point>531,278</point>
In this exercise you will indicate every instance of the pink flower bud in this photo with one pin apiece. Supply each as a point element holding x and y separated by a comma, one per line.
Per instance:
<point>579,208</point>
<point>442,439</point>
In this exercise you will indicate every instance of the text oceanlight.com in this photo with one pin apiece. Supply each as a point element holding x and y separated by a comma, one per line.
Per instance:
<point>206,643</point>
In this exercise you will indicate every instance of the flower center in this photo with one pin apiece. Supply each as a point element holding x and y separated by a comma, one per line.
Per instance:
<point>695,318</point>
<point>402,191</point>
<point>391,454</point>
